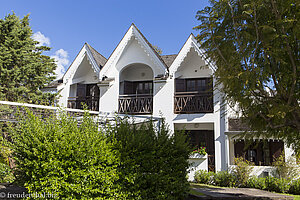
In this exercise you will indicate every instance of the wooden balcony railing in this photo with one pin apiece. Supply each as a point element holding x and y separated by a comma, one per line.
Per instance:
<point>92,102</point>
<point>192,102</point>
<point>136,104</point>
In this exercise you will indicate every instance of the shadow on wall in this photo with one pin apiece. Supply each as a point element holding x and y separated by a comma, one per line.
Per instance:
<point>189,117</point>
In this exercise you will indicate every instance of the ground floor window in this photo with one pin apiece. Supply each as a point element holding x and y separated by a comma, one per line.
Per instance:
<point>260,152</point>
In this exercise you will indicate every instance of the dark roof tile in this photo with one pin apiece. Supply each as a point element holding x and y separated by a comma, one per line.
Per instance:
<point>168,59</point>
<point>100,59</point>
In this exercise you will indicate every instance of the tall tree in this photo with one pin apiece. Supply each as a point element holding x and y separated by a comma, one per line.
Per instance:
<point>23,68</point>
<point>255,45</point>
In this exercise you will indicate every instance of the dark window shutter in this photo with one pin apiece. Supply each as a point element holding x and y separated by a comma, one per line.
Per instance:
<point>128,87</point>
<point>180,85</point>
<point>81,90</point>
<point>239,149</point>
<point>276,149</point>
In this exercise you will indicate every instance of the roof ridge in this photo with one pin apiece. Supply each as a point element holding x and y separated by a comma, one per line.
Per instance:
<point>102,60</point>
<point>150,45</point>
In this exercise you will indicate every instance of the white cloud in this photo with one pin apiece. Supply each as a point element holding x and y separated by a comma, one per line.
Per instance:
<point>42,39</point>
<point>60,56</point>
<point>61,59</point>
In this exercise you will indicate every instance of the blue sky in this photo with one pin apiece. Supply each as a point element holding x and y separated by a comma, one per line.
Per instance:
<point>65,25</point>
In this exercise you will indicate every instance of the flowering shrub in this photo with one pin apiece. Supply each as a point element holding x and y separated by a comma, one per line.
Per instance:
<point>200,150</point>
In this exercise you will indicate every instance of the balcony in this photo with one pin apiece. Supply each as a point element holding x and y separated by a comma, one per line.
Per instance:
<point>193,102</point>
<point>92,102</point>
<point>137,104</point>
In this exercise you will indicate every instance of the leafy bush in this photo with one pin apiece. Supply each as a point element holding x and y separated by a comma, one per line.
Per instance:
<point>224,179</point>
<point>57,156</point>
<point>255,182</point>
<point>242,170</point>
<point>203,176</point>
<point>286,169</point>
<point>6,174</point>
<point>277,184</point>
<point>295,187</point>
<point>154,162</point>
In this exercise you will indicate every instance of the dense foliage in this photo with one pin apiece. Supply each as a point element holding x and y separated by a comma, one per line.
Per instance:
<point>119,161</point>
<point>286,169</point>
<point>226,179</point>
<point>23,68</point>
<point>58,157</point>
<point>242,170</point>
<point>255,45</point>
<point>154,162</point>
<point>6,174</point>
<point>295,187</point>
<point>202,176</point>
<point>258,183</point>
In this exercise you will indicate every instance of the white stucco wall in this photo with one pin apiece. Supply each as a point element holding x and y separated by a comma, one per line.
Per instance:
<point>196,163</point>
<point>193,66</point>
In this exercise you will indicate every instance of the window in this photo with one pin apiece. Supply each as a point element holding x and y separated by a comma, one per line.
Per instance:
<point>202,85</point>
<point>138,87</point>
<point>260,152</point>
<point>193,85</point>
<point>190,85</point>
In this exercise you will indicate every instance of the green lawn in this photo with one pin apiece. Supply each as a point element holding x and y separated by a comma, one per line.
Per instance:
<point>296,197</point>
<point>195,192</point>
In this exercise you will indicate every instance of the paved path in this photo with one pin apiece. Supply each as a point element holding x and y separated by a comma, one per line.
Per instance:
<point>237,193</point>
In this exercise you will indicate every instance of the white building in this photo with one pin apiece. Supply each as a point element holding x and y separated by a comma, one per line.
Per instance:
<point>135,80</point>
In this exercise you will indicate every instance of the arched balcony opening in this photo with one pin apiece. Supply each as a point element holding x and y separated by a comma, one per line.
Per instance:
<point>136,90</point>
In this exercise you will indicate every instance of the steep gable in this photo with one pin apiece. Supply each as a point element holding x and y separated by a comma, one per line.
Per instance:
<point>133,36</point>
<point>191,43</point>
<point>95,59</point>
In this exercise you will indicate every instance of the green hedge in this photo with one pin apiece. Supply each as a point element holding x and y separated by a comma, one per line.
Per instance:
<point>154,162</point>
<point>277,184</point>
<point>123,161</point>
<point>258,183</point>
<point>225,179</point>
<point>59,157</point>
<point>295,187</point>
<point>202,176</point>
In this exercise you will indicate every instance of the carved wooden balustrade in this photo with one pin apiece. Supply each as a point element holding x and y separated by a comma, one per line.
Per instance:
<point>92,102</point>
<point>193,102</point>
<point>136,104</point>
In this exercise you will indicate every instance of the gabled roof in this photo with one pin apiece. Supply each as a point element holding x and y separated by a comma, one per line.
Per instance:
<point>99,58</point>
<point>168,59</point>
<point>151,52</point>
<point>149,44</point>
<point>96,60</point>
<point>190,43</point>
